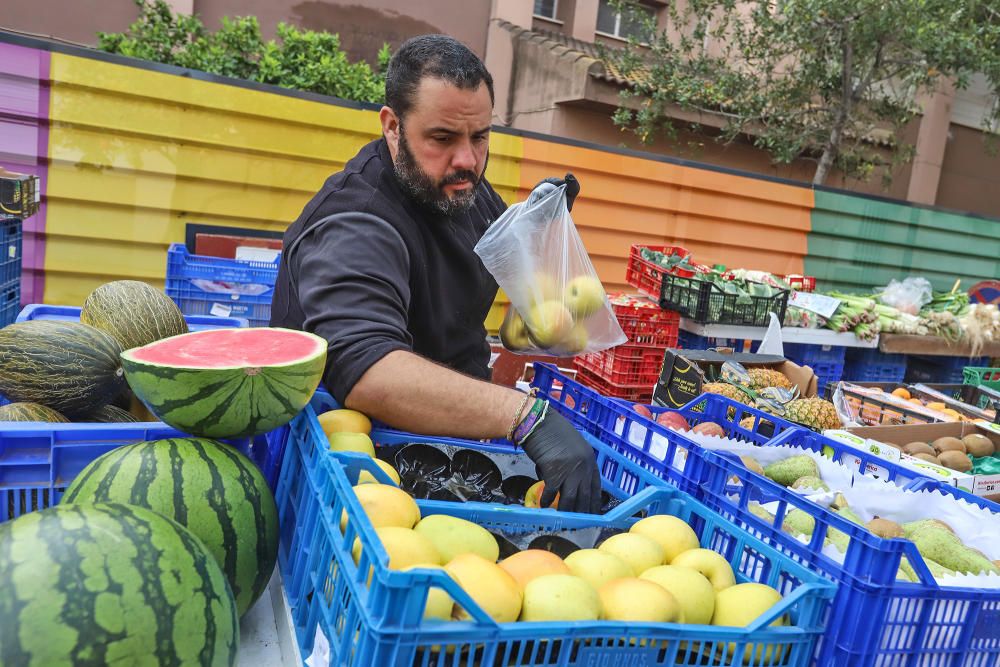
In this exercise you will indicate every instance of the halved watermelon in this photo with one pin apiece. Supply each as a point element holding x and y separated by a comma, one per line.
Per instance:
<point>227,383</point>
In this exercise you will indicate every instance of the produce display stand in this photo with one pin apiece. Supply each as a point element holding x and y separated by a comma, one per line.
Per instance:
<point>934,346</point>
<point>267,636</point>
<point>788,334</point>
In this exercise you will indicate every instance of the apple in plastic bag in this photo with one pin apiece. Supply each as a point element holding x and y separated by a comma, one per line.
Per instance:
<point>574,343</point>
<point>549,323</point>
<point>584,296</point>
<point>513,332</point>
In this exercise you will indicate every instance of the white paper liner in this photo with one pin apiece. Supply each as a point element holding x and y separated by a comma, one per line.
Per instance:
<point>868,497</point>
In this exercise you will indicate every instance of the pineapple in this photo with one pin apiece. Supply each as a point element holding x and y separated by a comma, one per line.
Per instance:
<point>766,377</point>
<point>816,413</point>
<point>727,390</point>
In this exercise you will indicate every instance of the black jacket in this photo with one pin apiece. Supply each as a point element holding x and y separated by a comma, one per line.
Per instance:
<point>371,272</point>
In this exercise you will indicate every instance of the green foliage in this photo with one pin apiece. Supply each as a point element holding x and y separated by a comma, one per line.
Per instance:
<point>299,59</point>
<point>817,79</point>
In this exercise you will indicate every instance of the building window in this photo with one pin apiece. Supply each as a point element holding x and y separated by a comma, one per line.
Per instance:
<point>610,22</point>
<point>545,8</point>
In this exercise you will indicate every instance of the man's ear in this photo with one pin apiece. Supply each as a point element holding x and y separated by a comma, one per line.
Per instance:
<point>390,129</point>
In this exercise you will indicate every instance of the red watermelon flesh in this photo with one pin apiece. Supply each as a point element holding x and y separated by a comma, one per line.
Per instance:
<point>226,348</point>
<point>227,383</point>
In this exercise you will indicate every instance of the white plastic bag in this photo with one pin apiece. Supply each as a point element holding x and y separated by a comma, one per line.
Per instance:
<point>908,296</point>
<point>558,305</point>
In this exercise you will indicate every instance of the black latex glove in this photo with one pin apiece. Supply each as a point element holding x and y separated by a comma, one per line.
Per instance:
<point>566,463</point>
<point>543,188</point>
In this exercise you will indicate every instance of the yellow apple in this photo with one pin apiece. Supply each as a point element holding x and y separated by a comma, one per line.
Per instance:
<point>532,563</point>
<point>738,606</point>
<point>691,589</point>
<point>638,551</point>
<point>560,597</point>
<point>405,546</point>
<point>633,599</point>
<point>584,296</point>
<point>673,534</point>
<point>365,477</point>
<point>574,343</point>
<point>548,323</point>
<point>453,536</point>
<point>343,441</point>
<point>489,585</point>
<point>597,567</point>
<point>513,332</point>
<point>711,564</point>
<point>533,496</point>
<point>385,505</point>
<point>344,420</point>
<point>439,604</point>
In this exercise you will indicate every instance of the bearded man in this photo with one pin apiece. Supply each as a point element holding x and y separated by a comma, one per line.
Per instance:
<point>381,264</point>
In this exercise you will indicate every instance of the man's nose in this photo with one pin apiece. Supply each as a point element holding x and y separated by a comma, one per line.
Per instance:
<point>464,157</point>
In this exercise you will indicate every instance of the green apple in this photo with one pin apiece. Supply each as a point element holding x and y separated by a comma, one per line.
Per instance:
<point>738,606</point>
<point>513,333</point>
<point>584,296</point>
<point>638,551</point>
<point>560,597</point>
<point>597,567</point>
<point>711,564</point>
<point>549,323</point>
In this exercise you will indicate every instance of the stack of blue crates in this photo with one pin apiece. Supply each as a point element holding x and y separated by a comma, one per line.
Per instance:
<point>940,370</point>
<point>691,341</point>
<point>10,269</point>
<point>870,365</point>
<point>204,285</point>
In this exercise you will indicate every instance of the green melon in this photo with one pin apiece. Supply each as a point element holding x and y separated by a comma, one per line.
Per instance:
<point>207,487</point>
<point>29,412</point>
<point>110,414</point>
<point>227,383</point>
<point>133,313</point>
<point>67,366</point>
<point>111,584</point>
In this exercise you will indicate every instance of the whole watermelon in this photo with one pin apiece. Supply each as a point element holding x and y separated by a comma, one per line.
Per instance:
<point>207,487</point>
<point>110,414</point>
<point>111,584</point>
<point>29,412</point>
<point>70,367</point>
<point>227,383</point>
<point>133,313</point>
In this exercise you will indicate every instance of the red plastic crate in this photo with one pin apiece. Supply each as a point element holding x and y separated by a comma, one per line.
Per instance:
<point>625,365</point>
<point>645,323</point>
<point>801,283</point>
<point>638,393</point>
<point>646,276</point>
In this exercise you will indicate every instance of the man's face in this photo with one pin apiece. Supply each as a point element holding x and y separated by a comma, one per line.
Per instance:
<point>441,147</point>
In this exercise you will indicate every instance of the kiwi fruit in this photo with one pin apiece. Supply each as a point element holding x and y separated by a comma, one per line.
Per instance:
<point>978,444</point>
<point>955,460</point>
<point>914,448</point>
<point>948,444</point>
<point>885,528</point>
<point>924,456</point>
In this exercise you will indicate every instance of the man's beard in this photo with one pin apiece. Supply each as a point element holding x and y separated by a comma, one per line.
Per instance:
<point>425,191</point>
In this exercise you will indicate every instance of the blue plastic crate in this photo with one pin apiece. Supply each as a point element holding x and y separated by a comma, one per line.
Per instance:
<point>871,365</point>
<point>40,311</point>
<point>39,460</point>
<point>10,250</point>
<point>378,622</point>
<point>692,341</point>
<point>652,446</point>
<point>875,619</point>
<point>941,370</point>
<point>10,302</point>
<point>245,288</point>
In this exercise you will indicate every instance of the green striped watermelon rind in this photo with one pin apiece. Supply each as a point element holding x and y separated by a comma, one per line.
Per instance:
<point>111,584</point>
<point>209,488</point>
<point>227,402</point>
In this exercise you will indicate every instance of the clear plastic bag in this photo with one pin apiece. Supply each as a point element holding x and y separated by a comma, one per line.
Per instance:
<point>558,305</point>
<point>908,296</point>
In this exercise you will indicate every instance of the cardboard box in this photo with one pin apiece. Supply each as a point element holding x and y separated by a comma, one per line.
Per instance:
<point>876,439</point>
<point>683,374</point>
<point>20,194</point>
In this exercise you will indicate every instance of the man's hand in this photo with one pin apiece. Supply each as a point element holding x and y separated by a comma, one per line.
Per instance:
<point>546,185</point>
<point>565,461</point>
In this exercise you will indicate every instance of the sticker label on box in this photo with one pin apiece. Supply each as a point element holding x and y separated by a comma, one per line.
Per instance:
<point>220,310</point>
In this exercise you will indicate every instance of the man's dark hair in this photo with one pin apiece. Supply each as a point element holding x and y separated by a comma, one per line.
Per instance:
<point>438,56</point>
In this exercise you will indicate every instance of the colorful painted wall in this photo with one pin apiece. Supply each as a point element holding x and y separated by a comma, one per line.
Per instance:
<point>130,154</point>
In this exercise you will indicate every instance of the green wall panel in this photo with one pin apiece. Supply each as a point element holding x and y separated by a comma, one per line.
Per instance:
<point>858,243</point>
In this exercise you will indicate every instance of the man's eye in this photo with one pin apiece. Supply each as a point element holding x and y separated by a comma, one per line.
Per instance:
<point>442,139</point>
<point>481,138</point>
